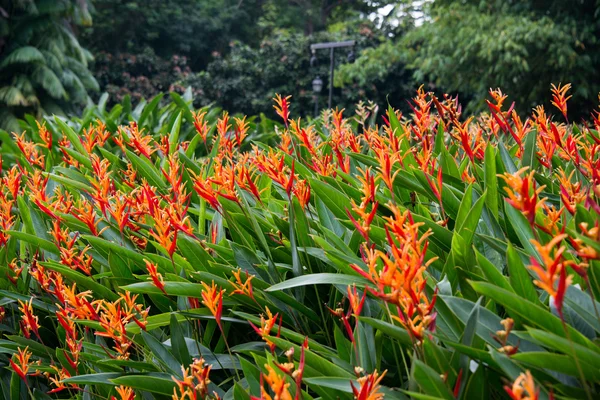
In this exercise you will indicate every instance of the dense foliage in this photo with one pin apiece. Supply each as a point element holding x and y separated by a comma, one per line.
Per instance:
<point>189,254</point>
<point>43,69</point>
<point>244,80</point>
<point>469,46</point>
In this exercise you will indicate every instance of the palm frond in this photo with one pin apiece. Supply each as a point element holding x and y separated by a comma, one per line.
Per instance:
<point>23,55</point>
<point>12,96</point>
<point>46,78</point>
<point>8,120</point>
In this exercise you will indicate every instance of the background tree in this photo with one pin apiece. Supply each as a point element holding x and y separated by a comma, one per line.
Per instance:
<point>520,46</point>
<point>43,68</point>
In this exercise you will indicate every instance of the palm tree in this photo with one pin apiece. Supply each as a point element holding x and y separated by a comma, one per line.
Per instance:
<point>43,68</point>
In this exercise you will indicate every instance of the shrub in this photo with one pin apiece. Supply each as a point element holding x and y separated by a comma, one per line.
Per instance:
<point>43,68</point>
<point>158,252</point>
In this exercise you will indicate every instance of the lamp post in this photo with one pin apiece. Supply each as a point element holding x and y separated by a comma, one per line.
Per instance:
<point>317,86</point>
<point>331,46</point>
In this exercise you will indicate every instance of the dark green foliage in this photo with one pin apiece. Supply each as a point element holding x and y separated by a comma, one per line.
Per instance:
<point>43,68</point>
<point>244,80</point>
<point>467,47</point>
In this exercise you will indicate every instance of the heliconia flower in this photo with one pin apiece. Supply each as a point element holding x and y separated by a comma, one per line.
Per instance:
<point>21,367</point>
<point>356,302</point>
<point>277,384</point>
<point>571,194</point>
<point>559,99</point>
<point>437,183</point>
<point>164,232</point>
<point>194,384</point>
<point>89,139</point>
<point>84,211</point>
<point>266,326</point>
<point>45,135</point>
<point>302,192</point>
<point>142,144</point>
<point>282,107</point>
<point>551,271</point>
<point>30,151</point>
<point>523,388</point>
<point>57,381</point>
<point>12,180</point>
<point>368,387</point>
<point>16,270</point>
<point>242,288</point>
<point>200,124</point>
<point>205,190</point>
<point>120,210</point>
<point>523,193</point>
<point>113,318</point>
<point>125,393</point>
<point>502,336</point>
<point>78,304</point>
<point>212,298</point>
<point>241,129</point>
<point>155,276</point>
<point>29,321</point>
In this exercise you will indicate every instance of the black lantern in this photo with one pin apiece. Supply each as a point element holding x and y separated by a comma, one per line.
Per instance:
<point>351,56</point>
<point>317,85</point>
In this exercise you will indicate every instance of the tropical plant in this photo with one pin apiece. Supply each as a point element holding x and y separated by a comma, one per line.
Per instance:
<point>43,69</point>
<point>164,252</point>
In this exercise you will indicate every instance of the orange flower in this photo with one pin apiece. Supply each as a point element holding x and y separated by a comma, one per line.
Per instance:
<point>551,269</point>
<point>368,387</point>
<point>21,367</point>
<point>266,326</point>
<point>194,384</point>
<point>520,194</point>
<point>558,97</point>
<point>302,192</point>
<point>523,388</point>
<point>282,107</point>
<point>571,194</point>
<point>401,280</point>
<point>278,385</point>
<point>155,276</point>
<point>164,231</point>
<point>243,288</point>
<point>29,321</point>
<point>57,381</point>
<point>125,393</point>
<point>212,298</point>
<point>200,124</point>
<point>45,135</point>
<point>142,144</point>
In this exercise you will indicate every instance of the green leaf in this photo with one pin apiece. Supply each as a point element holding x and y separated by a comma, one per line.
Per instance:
<point>150,108</point>
<point>564,364</point>
<point>520,279</point>
<point>174,136</point>
<point>530,312</point>
<point>319,279</point>
<point>145,169</point>
<point>162,354</point>
<point>491,272</point>
<point>522,228</point>
<point>490,180</point>
<point>429,381</point>
<point>390,330</point>
<point>162,384</point>
<point>178,342</point>
<point>71,135</point>
<point>528,158</point>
